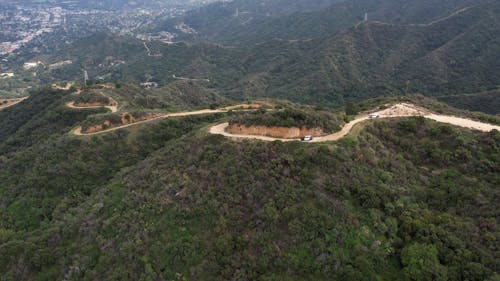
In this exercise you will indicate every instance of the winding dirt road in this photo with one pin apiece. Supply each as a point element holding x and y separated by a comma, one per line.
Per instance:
<point>78,131</point>
<point>395,111</point>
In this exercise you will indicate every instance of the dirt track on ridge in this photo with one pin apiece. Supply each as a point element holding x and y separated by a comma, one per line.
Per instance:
<point>11,102</point>
<point>395,111</point>
<point>78,131</point>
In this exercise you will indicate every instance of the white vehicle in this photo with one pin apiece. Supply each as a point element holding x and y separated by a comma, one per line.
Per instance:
<point>373,115</point>
<point>307,138</point>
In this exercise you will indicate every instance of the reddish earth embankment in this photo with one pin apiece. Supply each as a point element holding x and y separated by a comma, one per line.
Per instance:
<point>120,120</point>
<point>274,131</point>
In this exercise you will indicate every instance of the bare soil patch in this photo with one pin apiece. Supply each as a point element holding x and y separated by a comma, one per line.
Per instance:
<point>274,131</point>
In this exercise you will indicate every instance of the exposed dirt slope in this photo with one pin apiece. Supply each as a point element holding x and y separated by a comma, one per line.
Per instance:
<point>275,131</point>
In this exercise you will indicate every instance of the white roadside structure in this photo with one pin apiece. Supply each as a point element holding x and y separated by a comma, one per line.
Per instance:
<point>30,65</point>
<point>6,75</point>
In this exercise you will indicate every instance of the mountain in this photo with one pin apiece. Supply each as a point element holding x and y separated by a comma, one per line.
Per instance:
<point>167,201</point>
<point>368,59</point>
<point>128,177</point>
<point>251,21</point>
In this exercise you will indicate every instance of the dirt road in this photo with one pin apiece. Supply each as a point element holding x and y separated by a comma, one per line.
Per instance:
<point>10,102</point>
<point>436,21</point>
<point>64,88</point>
<point>395,111</point>
<point>78,131</point>
<point>463,122</point>
<point>190,79</point>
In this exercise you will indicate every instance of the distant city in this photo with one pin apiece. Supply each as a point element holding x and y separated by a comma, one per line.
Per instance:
<point>24,21</point>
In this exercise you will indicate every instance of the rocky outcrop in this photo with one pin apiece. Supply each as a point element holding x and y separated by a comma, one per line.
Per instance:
<point>274,131</point>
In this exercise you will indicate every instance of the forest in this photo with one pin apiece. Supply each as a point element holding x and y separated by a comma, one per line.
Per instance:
<point>403,199</point>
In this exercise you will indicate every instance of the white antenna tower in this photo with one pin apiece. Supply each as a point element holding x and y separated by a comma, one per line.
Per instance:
<point>85,78</point>
<point>366,16</point>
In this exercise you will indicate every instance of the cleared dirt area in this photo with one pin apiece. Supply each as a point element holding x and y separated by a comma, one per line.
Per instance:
<point>113,108</point>
<point>394,111</point>
<point>275,131</point>
<point>4,103</point>
<point>64,88</point>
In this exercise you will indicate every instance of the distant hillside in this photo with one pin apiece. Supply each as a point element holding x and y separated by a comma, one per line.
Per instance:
<point>252,21</point>
<point>488,101</point>
<point>457,54</point>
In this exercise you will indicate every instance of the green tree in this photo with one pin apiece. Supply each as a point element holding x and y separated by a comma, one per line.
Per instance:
<point>421,263</point>
<point>351,109</point>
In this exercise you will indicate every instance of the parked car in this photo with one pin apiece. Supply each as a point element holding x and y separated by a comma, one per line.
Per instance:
<point>373,115</point>
<point>307,138</point>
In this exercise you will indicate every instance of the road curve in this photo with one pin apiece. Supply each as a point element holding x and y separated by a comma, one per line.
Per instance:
<point>78,131</point>
<point>395,111</point>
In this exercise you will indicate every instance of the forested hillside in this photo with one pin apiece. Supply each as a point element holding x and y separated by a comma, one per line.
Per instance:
<point>167,201</point>
<point>251,21</point>
<point>485,101</point>
<point>367,59</point>
<point>104,180</point>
